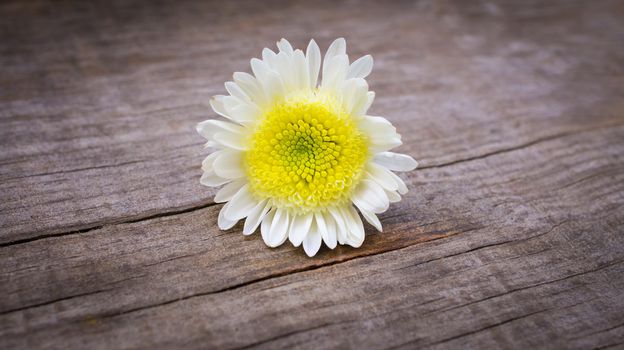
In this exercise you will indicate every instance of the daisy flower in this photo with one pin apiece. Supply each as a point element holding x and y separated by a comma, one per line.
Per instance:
<point>296,157</point>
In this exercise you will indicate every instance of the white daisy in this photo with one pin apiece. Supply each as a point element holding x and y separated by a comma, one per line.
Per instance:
<point>296,157</point>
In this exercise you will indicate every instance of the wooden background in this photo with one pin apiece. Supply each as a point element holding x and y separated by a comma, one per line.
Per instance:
<point>511,235</point>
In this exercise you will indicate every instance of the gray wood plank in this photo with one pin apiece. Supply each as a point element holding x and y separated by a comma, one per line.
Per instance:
<point>504,245</point>
<point>510,237</point>
<point>98,125</point>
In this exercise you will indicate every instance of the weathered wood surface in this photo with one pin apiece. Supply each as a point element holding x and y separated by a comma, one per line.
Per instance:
<point>511,236</point>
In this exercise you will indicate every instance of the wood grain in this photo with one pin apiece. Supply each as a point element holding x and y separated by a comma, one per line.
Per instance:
<point>510,237</point>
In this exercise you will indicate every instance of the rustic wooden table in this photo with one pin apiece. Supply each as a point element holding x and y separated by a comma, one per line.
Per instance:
<point>511,237</point>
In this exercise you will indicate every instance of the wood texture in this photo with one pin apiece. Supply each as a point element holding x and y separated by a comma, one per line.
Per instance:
<point>509,238</point>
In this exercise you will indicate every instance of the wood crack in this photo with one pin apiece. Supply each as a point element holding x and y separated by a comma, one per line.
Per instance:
<point>97,227</point>
<point>487,246</point>
<point>608,346</point>
<point>599,331</point>
<point>519,147</point>
<point>288,334</point>
<point>169,213</point>
<point>486,328</point>
<point>175,258</point>
<point>493,325</point>
<point>601,267</point>
<point>53,301</point>
<point>76,170</point>
<point>277,275</point>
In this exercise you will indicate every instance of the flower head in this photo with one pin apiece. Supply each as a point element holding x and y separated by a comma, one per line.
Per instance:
<point>297,157</point>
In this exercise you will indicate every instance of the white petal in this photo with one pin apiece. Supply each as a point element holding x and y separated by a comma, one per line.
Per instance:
<point>260,69</point>
<point>300,69</point>
<point>240,110</point>
<point>240,205</point>
<point>269,79</point>
<point>284,46</point>
<point>361,68</point>
<point>245,113</point>
<point>402,188</point>
<point>355,227</point>
<point>382,133</point>
<point>378,145</point>
<point>380,194</point>
<point>377,127</point>
<point>285,69</point>
<point>312,241</point>
<point>395,161</point>
<point>228,191</point>
<point>313,58</point>
<point>370,97</point>
<point>274,87</point>
<point>208,128</point>
<point>265,227</point>
<point>372,219</point>
<point>251,87</point>
<point>207,163</point>
<point>330,235</point>
<point>299,228</point>
<point>223,222</point>
<point>229,164</point>
<point>211,179</point>
<point>321,226</point>
<point>362,203</point>
<point>382,176</point>
<point>341,228</point>
<point>231,140</point>
<point>393,197</point>
<point>337,47</point>
<point>354,96</point>
<point>268,56</point>
<point>255,217</point>
<point>279,228</point>
<point>370,196</point>
<point>210,144</point>
<point>216,102</point>
<point>334,72</point>
<point>236,91</point>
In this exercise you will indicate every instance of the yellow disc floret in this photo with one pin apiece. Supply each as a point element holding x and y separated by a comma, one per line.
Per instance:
<point>306,153</point>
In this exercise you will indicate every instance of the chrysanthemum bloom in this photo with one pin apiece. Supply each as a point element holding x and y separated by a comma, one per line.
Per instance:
<point>296,157</point>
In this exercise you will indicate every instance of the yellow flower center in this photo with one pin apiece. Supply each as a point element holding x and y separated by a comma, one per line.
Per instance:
<point>306,153</point>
